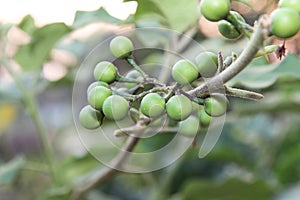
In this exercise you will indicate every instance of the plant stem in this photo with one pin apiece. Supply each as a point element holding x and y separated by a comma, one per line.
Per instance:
<point>131,61</point>
<point>236,67</point>
<point>32,110</point>
<point>104,173</point>
<point>245,94</point>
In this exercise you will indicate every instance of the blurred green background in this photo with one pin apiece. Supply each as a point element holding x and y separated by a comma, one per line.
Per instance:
<point>256,157</point>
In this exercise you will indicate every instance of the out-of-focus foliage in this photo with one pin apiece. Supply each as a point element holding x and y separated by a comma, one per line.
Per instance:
<point>256,157</point>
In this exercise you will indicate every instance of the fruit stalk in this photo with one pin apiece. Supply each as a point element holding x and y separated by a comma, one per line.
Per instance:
<point>236,67</point>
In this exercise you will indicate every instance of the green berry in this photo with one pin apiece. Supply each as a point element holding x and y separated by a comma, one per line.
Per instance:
<point>152,105</point>
<point>228,30</point>
<point>294,4</point>
<point>189,127</point>
<point>204,118</point>
<point>179,107</point>
<point>207,64</point>
<point>216,105</point>
<point>285,22</point>
<point>115,107</point>
<point>184,72</point>
<point>97,96</point>
<point>95,84</point>
<point>121,47</point>
<point>195,107</point>
<point>215,10</point>
<point>90,118</point>
<point>133,74</point>
<point>106,72</point>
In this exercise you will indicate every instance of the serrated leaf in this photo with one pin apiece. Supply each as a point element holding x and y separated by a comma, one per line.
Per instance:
<point>83,18</point>
<point>10,170</point>
<point>264,76</point>
<point>31,56</point>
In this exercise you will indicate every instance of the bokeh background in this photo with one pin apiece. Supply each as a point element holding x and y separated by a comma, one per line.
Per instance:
<point>45,43</point>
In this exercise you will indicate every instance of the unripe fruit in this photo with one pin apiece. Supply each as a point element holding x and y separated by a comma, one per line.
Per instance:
<point>106,72</point>
<point>207,64</point>
<point>121,47</point>
<point>294,4</point>
<point>97,96</point>
<point>179,107</point>
<point>152,105</point>
<point>285,22</point>
<point>95,84</point>
<point>90,118</point>
<point>189,127</point>
<point>216,105</point>
<point>215,10</point>
<point>228,30</point>
<point>204,118</point>
<point>115,107</point>
<point>184,72</point>
<point>133,74</point>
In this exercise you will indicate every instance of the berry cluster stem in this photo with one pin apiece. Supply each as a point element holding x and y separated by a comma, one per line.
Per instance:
<point>236,67</point>
<point>131,61</point>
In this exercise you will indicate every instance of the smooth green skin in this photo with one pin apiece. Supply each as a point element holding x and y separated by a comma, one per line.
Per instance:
<point>179,107</point>
<point>95,84</point>
<point>216,105</point>
<point>121,47</point>
<point>97,96</point>
<point>184,72</point>
<point>228,30</point>
<point>207,64</point>
<point>204,118</point>
<point>294,4</point>
<point>152,105</point>
<point>106,72</point>
<point>133,74</point>
<point>215,10</point>
<point>90,118</point>
<point>115,107</point>
<point>189,127</point>
<point>285,22</point>
<point>195,107</point>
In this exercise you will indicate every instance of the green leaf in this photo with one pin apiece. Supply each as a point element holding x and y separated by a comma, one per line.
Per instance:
<point>264,76</point>
<point>174,14</point>
<point>32,55</point>
<point>10,170</point>
<point>83,18</point>
<point>233,189</point>
<point>27,24</point>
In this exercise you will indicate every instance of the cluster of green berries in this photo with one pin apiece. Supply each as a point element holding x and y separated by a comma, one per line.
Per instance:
<point>285,21</point>
<point>103,103</point>
<point>151,101</point>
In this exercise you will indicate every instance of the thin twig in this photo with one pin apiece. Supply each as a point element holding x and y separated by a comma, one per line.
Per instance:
<point>32,110</point>
<point>220,63</point>
<point>104,173</point>
<point>245,94</point>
